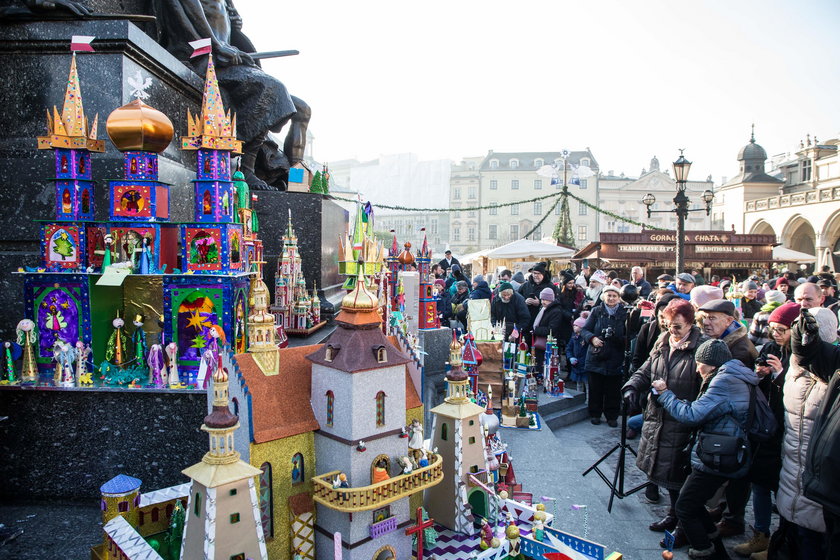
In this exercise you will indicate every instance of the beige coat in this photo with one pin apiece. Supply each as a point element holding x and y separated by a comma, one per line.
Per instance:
<point>803,394</point>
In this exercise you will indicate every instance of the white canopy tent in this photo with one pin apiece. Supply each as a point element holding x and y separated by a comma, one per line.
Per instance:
<point>783,254</point>
<point>525,248</point>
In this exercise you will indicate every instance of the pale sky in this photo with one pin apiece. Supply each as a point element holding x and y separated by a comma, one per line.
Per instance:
<point>628,79</point>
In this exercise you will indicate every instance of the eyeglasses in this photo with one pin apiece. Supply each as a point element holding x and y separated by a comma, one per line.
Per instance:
<point>779,330</point>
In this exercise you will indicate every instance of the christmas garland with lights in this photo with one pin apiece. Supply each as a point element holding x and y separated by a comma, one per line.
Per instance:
<point>558,195</point>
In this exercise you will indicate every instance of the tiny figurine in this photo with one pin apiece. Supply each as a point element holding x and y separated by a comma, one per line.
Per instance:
<point>405,463</point>
<point>115,352</point>
<point>539,522</point>
<point>486,537</point>
<point>138,338</point>
<point>512,533</point>
<point>172,363</point>
<point>380,472</point>
<point>12,352</point>
<point>146,263</point>
<point>67,358</point>
<point>83,376</point>
<point>156,366</point>
<point>27,337</point>
<point>415,441</point>
<point>106,253</point>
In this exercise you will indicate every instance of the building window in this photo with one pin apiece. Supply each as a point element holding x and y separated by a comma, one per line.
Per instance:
<point>456,234</point>
<point>494,232</point>
<point>266,500</point>
<point>381,355</point>
<point>539,162</point>
<point>494,184</point>
<point>330,407</point>
<point>123,506</point>
<point>583,184</point>
<point>197,505</point>
<point>582,209</point>
<point>514,163</point>
<point>444,431</point>
<point>474,469</point>
<point>471,214</point>
<point>381,514</point>
<point>537,208</point>
<point>537,233</point>
<point>471,233</point>
<point>514,210</point>
<point>585,161</point>
<point>514,232</point>
<point>514,184</point>
<point>471,193</point>
<point>456,213</point>
<point>155,514</point>
<point>493,208</point>
<point>472,440</point>
<point>537,184</point>
<point>456,193</point>
<point>380,408</point>
<point>298,470</point>
<point>234,518</point>
<point>103,505</point>
<point>581,233</point>
<point>233,491</point>
<point>494,164</point>
<point>240,556</point>
<point>434,228</point>
<point>806,170</point>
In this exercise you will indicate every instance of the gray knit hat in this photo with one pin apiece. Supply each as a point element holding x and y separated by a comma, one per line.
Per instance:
<point>713,353</point>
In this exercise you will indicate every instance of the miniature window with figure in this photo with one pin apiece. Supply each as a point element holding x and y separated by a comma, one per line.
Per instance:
<point>297,468</point>
<point>381,514</point>
<point>330,405</point>
<point>380,408</point>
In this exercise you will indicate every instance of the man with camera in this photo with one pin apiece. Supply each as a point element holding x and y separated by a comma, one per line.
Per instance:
<point>605,333</point>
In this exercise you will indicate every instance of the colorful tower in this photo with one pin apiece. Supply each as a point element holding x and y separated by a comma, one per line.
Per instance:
<point>360,246</point>
<point>213,135</point>
<point>427,315</point>
<point>72,141</point>
<point>261,329</point>
<point>223,516</point>
<point>120,498</point>
<point>460,443</point>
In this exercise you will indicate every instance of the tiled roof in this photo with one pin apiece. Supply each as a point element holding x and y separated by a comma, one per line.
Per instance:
<point>129,540</point>
<point>356,350</point>
<point>120,484</point>
<point>165,494</point>
<point>526,159</point>
<point>280,403</point>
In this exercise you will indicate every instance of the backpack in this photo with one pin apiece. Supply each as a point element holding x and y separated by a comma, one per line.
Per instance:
<point>761,422</point>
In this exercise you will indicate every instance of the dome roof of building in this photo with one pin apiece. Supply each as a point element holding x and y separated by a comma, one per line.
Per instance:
<point>120,484</point>
<point>457,374</point>
<point>220,417</point>
<point>490,422</point>
<point>137,126</point>
<point>360,299</point>
<point>406,257</point>
<point>752,151</point>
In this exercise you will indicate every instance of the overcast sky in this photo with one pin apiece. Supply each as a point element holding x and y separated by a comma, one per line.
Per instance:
<point>449,79</point>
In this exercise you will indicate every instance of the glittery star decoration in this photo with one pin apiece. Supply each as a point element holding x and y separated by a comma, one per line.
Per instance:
<point>70,128</point>
<point>196,321</point>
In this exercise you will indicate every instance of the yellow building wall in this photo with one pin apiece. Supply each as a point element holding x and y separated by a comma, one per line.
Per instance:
<point>279,454</point>
<point>415,500</point>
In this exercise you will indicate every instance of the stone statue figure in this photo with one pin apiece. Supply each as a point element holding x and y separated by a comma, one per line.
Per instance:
<point>28,8</point>
<point>260,101</point>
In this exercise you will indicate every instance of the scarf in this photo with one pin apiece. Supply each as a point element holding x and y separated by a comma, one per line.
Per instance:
<point>679,344</point>
<point>611,310</point>
<point>538,318</point>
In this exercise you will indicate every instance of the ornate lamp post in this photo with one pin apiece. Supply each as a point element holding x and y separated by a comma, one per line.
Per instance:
<point>681,209</point>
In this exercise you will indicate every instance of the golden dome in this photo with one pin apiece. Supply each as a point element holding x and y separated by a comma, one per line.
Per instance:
<point>360,298</point>
<point>406,257</point>
<point>137,126</point>
<point>220,376</point>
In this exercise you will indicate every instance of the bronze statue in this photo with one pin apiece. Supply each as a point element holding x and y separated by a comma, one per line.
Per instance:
<point>260,101</point>
<point>25,8</point>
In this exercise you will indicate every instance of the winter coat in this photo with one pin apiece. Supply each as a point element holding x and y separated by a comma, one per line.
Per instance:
<point>531,289</point>
<point>570,300</point>
<point>760,329</point>
<point>444,305</point>
<point>767,459</point>
<point>822,467</point>
<point>740,346</point>
<point>648,335</point>
<point>514,313</point>
<point>644,288</point>
<point>576,348</point>
<point>721,408</point>
<point>803,395</point>
<point>481,291</point>
<point>661,449</point>
<point>609,358</point>
<point>553,320</point>
<point>460,314</point>
<point>749,307</point>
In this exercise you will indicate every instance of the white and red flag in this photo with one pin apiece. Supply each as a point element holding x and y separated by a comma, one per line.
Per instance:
<point>202,46</point>
<point>81,43</point>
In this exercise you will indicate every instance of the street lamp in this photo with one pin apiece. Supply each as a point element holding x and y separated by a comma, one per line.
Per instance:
<point>681,209</point>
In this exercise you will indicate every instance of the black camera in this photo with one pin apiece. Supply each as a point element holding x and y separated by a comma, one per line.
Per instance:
<point>607,333</point>
<point>761,361</point>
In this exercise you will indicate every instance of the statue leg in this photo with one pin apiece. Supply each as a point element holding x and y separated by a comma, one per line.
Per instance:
<point>295,143</point>
<point>247,162</point>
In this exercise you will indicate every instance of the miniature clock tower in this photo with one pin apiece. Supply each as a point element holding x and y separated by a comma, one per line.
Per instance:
<point>261,329</point>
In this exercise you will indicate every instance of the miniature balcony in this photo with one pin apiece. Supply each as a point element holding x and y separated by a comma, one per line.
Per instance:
<point>376,495</point>
<point>482,477</point>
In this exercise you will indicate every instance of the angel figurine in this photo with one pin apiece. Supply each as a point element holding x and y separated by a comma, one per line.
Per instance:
<point>83,376</point>
<point>172,361</point>
<point>27,337</point>
<point>138,338</point>
<point>116,351</point>
<point>67,360</point>
<point>156,366</point>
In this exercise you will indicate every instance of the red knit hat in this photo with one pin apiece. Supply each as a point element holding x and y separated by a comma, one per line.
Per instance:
<point>785,314</point>
<point>781,281</point>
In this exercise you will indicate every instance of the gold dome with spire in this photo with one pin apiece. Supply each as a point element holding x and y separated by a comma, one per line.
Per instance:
<point>360,298</point>
<point>137,126</point>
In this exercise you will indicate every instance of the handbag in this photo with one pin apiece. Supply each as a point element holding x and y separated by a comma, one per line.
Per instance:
<point>538,342</point>
<point>722,453</point>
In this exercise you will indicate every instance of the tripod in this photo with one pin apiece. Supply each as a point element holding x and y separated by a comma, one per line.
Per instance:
<point>616,485</point>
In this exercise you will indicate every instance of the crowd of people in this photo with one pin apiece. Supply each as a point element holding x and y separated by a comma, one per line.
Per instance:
<point>694,362</point>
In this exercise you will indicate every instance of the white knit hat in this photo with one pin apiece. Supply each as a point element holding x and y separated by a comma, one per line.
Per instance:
<point>774,296</point>
<point>827,322</point>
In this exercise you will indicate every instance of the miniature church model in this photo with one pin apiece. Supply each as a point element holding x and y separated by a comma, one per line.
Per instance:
<point>296,312</point>
<point>460,443</point>
<point>261,329</point>
<point>223,516</point>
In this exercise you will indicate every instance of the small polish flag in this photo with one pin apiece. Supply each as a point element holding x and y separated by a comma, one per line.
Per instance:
<point>202,46</point>
<point>81,43</point>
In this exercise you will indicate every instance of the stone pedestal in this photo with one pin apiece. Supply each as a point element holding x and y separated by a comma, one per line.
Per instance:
<point>435,344</point>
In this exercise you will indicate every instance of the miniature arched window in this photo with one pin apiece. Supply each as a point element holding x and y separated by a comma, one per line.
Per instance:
<point>494,164</point>
<point>297,469</point>
<point>383,463</point>
<point>122,506</point>
<point>169,509</point>
<point>539,162</point>
<point>142,518</point>
<point>444,431</point>
<point>330,405</point>
<point>197,508</point>
<point>380,408</point>
<point>85,201</point>
<point>331,352</point>
<point>585,161</point>
<point>514,163</point>
<point>155,514</point>
<point>266,500</point>
<point>380,353</point>
<point>103,505</point>
<point>207,206</point>
<point>235,406</point>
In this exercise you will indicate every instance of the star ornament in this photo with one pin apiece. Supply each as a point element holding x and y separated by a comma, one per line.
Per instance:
<point>195,321</point>
<point>199,342</point>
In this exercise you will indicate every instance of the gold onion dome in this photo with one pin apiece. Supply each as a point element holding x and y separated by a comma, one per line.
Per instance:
<point>360,298</point>
<point>137,126</point>
<point>406,257</point>
<point>220,376</point>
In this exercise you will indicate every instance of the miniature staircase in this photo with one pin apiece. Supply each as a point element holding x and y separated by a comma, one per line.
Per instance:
<point>556,412</point>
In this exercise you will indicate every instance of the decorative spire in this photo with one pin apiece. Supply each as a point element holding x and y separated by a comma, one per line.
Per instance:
<point>213,129</point>
<point>70,129</point>
<point>563,231</point>
<point>424,248</point>
<point>752,134</point>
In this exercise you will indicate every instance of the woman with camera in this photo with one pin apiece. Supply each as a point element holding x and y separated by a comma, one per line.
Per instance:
<point>722,449</point>
<point>605,333</point>
<point>661,450</point>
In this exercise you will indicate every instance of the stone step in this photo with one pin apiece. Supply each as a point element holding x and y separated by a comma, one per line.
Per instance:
<point>566,416</point>
<point>548,404</point>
